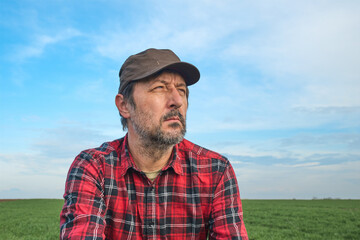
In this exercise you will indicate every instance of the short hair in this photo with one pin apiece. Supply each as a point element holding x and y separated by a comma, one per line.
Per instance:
<point>128,91</point>
<point>128,97</point>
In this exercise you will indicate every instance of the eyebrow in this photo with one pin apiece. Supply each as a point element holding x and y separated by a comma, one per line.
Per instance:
<point>181,84</point>
<point>167,83</point>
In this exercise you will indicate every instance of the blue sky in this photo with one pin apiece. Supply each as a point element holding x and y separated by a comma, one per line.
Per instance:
<point>279,92</point>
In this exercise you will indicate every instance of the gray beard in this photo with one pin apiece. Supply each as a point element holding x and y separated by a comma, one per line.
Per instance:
<point>158,139</point>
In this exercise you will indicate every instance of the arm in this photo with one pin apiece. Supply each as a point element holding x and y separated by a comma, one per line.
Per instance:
<point>227,216</point>
<point>84,208</point>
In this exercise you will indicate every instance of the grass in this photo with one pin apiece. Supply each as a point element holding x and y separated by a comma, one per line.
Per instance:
<point>302,219</point>
<point>265,219</point>
<point>33,219</point>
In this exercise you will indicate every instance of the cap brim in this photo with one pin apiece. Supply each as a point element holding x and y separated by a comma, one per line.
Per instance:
<point>188,71</point>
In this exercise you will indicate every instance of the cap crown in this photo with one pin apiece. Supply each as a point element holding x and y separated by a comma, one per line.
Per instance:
<point>151,61</point>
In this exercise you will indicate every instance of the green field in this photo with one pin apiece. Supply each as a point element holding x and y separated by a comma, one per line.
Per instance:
<point>302,219</point>
<point>265,219</point>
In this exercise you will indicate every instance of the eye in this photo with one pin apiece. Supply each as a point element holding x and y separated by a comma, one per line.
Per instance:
<point>182,91</point>
<point>158,87</point>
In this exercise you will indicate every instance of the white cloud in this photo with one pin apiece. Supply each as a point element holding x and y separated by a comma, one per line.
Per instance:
<point>314,48</point>
<point>39,170</point>
<point>348,142</point>
<point>196,30</point>
<point>298,150</point>
<point>32,175</point>
<point>38,45</point>
<point>307,180</point>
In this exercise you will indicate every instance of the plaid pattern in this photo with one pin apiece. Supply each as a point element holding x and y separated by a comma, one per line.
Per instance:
<point>194,197</point>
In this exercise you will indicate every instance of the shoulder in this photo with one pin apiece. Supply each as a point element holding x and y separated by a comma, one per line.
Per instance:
<point>106,152</point>
<point>204,159</point>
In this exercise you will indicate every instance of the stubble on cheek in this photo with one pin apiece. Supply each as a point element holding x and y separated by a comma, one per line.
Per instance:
<point>152,131</point>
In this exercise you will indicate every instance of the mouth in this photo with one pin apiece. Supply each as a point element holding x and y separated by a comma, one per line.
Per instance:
<point>173,119</point>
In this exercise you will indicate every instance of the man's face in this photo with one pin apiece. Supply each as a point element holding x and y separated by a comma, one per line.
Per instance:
<point>160,112</point>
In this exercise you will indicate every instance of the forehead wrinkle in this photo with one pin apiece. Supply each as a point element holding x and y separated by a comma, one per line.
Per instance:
<point>178,81</point>
<point>168,81</point>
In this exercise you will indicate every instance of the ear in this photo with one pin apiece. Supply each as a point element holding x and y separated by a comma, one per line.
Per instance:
<point>122,106</point>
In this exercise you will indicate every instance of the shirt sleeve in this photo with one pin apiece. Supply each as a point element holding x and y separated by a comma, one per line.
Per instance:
<point>82,216</point>
<point>227,216</point>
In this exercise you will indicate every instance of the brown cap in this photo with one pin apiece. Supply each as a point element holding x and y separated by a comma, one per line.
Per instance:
<point>153,60</point>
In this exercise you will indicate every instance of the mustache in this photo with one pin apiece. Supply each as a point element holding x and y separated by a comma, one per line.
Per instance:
<point>174,113</point>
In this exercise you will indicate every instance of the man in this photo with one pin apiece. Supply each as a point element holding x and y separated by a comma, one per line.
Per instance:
<point>152,183</point>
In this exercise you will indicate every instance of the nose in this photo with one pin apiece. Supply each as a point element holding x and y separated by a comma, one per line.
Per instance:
<point>175,99</point>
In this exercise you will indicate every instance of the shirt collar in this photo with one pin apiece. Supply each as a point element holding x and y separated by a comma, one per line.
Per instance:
<point>126,158</point>
<point>175,161</point>
<point>127,161</point>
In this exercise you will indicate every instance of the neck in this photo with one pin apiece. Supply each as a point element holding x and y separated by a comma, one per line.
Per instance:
<point>148,157</point>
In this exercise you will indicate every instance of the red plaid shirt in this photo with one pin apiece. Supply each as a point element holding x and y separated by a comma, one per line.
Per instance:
<point>194,197</point>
